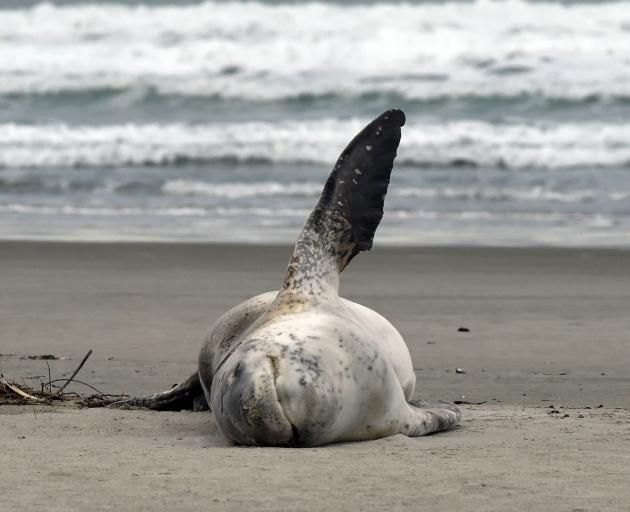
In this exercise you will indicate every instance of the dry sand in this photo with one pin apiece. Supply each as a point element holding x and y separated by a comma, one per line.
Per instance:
<point>546,327</point>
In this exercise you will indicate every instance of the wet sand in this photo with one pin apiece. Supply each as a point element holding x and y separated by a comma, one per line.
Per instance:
<point>545,326</point>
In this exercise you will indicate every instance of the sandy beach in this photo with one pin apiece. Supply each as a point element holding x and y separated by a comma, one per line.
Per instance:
<point>528,328</point>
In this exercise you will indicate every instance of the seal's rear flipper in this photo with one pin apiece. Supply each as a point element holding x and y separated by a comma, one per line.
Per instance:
<point>187,395</point>
<point>350,208</point>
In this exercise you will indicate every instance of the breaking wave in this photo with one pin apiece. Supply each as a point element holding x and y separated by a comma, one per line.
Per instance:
<point>457,143</point>
<point>240,50</point>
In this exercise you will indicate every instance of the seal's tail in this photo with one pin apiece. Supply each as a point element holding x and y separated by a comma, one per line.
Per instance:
<point>350,208</point>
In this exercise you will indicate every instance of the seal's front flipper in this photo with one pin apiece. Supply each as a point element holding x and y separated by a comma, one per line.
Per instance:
<point>350,208</point>
<point>187,395</point>
<point>426,417</point>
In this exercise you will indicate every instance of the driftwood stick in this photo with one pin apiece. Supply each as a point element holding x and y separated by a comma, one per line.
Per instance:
<point>73,375</point>
<point>49,379</point>
<point>17,390</point>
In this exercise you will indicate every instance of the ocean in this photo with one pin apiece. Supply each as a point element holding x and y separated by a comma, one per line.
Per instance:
<point>219,121</point>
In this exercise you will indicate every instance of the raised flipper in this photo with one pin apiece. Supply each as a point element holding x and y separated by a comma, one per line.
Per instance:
<point>427,417</point>
<point>349,210</point>
<point>186,395</point>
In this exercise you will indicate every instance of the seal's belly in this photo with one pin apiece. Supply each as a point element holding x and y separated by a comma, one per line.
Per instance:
<point>307,379</point>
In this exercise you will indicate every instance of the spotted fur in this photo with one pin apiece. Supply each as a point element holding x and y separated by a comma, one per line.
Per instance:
<point>303,366</point>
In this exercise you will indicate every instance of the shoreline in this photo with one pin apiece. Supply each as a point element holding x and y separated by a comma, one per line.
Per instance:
<point>378,245</point>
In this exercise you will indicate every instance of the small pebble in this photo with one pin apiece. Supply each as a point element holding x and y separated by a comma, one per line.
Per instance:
<point>463,329</point>
<point>459,370</point>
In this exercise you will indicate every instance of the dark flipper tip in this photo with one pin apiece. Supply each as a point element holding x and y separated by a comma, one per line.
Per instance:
<point>396,115</point>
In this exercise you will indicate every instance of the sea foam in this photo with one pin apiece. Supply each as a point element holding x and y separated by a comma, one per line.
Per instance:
<point>264,51</point>
<point>456,143</point>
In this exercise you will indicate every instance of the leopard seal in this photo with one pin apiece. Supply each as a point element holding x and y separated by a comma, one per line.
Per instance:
<point>302,366</point>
